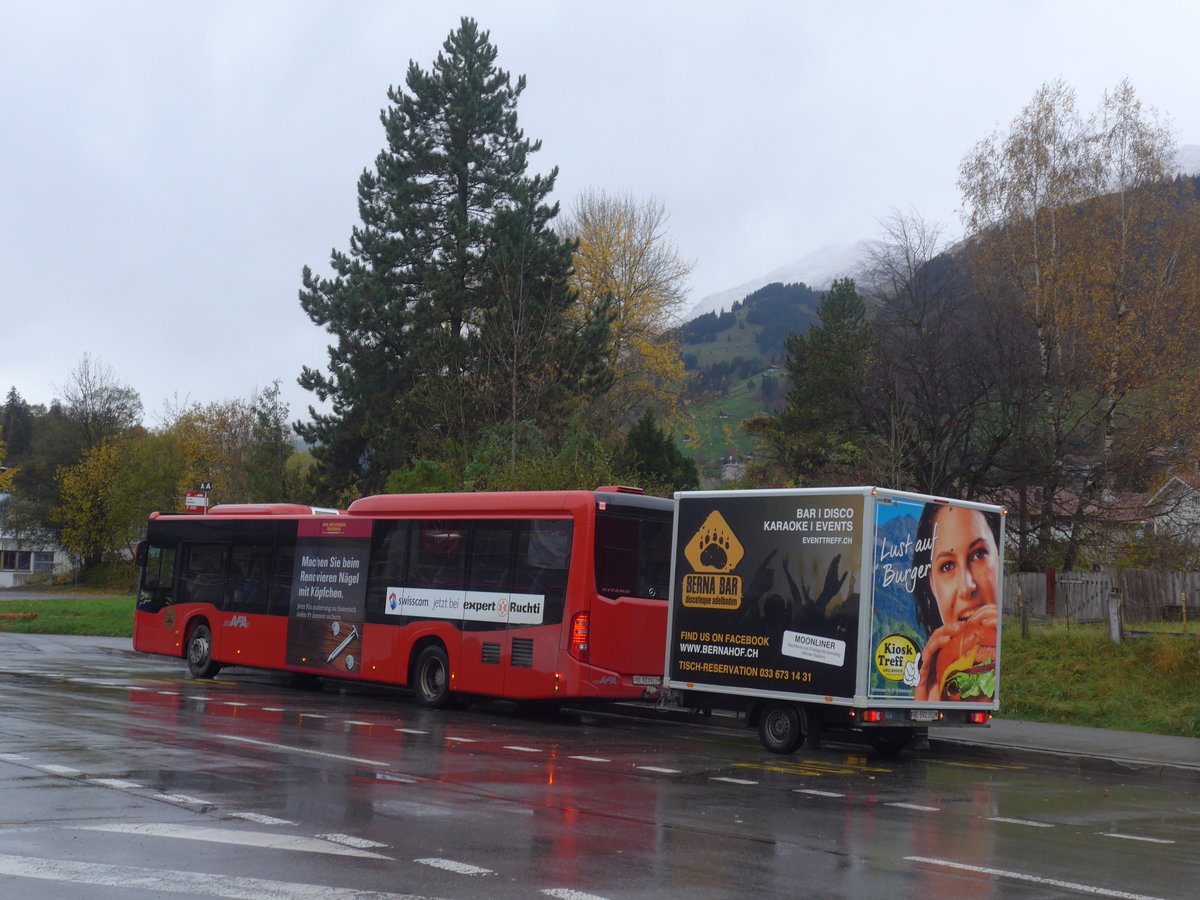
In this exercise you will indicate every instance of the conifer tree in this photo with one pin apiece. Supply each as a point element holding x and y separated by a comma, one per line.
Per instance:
<point>429,306</point>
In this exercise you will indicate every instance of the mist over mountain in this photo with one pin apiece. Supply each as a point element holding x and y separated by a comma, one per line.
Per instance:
<point>820,267</point>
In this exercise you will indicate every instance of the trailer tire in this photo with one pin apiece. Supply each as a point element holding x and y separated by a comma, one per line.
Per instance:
<point>889,741</point>
<point>431,678</point>
<point>199,652</point>
<point>781,727</point>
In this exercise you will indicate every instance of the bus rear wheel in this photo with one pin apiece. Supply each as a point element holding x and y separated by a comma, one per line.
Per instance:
<point>780,727</point>
<point>199,652</point>
<point>431,679</point>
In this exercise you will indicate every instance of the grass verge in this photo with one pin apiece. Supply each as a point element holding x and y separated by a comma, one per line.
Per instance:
<point>1078,676</point>
<point>107,615</point>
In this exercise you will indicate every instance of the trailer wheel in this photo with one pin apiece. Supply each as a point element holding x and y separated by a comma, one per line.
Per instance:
<point>780,727</point>
<point>431,678</point>
<point>199,652</point>
<point>889,741</point>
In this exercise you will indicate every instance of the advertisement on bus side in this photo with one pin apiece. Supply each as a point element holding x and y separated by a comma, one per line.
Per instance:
<point>329,588</point>
<point>935,601</point>
<point>767,593</point>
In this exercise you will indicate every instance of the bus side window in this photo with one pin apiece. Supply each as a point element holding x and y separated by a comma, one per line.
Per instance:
<point>249,574</point>
<point>202,573</point>
<point>543,559</point>
<point>389,558</point>
<point>437,552</point>
<point>491,556</point>
<point>158,579</point>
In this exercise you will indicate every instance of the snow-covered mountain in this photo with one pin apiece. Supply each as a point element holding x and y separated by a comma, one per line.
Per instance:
<point>818,270</point>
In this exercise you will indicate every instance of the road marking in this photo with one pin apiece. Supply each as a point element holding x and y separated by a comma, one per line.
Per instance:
<point>232,703</point>
<point>914,806</point>
<point>312,716</point>
<point>658,769</point>
<point>450,865</point>
<point>199,697</point>
<point>459,740</point>
<point>591,758</point>
<point>169,693</point>
<point>732,780</point>
<point>284,748</point>
<point>61,770</point>
<point>520,749</point>
<point>260,819</point>
<point>411,731</point>
<point>385,776</point>
<point>1032,879</point>
<point>273,709</point>
<point>567,894</point>
<point>264,839</point>
<point>168,881</point>
<point>117,783</point>
<point>13,757</point>
<point>1135,837</point>
<point>363,724</point>
<point>1028,822</point>
<point>351,841</point>
<point>815,793</point>
<point>182,798</point>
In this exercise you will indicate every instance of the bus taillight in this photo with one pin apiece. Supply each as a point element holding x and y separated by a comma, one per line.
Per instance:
<point>579,636</point>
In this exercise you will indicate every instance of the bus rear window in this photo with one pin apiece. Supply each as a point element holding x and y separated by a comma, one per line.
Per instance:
<point>633,553</point>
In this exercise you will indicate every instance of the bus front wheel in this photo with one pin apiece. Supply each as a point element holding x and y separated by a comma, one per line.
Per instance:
<point>199,652</point>
<point>431,678</point>
<point>780,727</point>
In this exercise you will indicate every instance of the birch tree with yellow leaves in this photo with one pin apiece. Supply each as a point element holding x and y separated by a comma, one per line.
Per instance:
<point>625,259</point>
<point>1077,228</point>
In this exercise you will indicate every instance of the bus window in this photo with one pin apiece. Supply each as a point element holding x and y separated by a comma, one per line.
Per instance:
<point>247,588</point>
<point>436,555</point>
<point>543,557</point>
<point>633,554</point>
<point>389,563</point>
<point>202,573</point>
<point>491,557</point>
<point>158,578</point>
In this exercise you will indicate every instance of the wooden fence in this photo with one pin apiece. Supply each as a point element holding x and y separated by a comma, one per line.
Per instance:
<point>1146,595</point>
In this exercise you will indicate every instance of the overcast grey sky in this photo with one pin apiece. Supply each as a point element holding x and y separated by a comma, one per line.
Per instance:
<point>166,169</point>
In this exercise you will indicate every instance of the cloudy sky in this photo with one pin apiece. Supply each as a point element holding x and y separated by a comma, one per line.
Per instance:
<point>167,169</point>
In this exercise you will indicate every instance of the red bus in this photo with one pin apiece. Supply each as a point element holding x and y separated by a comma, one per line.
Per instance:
<point>539,595</point>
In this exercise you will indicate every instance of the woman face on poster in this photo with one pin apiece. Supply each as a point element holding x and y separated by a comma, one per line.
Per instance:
<point>957,604</point>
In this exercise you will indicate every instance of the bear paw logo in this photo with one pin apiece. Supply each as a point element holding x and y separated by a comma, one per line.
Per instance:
<point>714,548</point>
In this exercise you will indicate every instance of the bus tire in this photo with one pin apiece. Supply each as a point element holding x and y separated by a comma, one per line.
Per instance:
<point>199,652</point>
<point>889,741</point>
<point>431,678</point>
<point>780,727</point>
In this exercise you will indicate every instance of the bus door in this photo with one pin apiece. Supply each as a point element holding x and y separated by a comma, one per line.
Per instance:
<point>154,626</point>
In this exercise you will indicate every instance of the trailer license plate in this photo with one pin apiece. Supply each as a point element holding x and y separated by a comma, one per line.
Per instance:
<point>923,715</point>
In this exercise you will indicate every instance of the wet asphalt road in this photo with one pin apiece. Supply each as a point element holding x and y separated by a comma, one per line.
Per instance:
<point>120,777</point>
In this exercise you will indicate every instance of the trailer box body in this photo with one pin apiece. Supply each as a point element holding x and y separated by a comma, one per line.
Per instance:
<point>838,597</point>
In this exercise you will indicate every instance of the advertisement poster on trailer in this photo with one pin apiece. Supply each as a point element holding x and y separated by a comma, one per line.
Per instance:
<point>329,588</point>
<point>935,614</point>
<point>766,591</point>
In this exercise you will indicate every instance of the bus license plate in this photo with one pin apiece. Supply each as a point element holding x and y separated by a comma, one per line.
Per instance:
<point>923,715</point>
<point>643,680</point>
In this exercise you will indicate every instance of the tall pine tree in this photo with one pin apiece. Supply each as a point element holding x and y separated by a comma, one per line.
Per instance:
<point>454,287</point>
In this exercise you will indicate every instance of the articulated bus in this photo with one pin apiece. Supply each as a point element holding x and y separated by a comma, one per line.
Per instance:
<point>528,596</point>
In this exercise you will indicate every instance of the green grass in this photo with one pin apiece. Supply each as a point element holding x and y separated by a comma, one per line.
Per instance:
<point>1078,676</point>
<point>106,615</point>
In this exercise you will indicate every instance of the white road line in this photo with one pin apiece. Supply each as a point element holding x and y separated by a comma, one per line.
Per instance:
<point>60,770</point>
<point>914,806</point>
<point>732,780</point>
<point>814,792</point>
<point>1032,879</point>
<point>284,748</point>
<point>264,839</point>
<point>312,716</point>
<point>1135,837</point>
<point>450,865</point>
<point>591,758</point>
<point>199,697</point>
<point>169,693</point>
<point>387,776</point>
<point>658,769</point>
<point>567,894</point>
<point>13,757</point>
<point>351,841</point>
<point>520,749</point>
<point>411,731</point>
<point>182,798</point>
<point>260,819</point>
<point>273,709</point>
<point>118,783</point>
<point>167,881</point>
<point>233,703</point>
<point>1029,822</point>
<point>363,724</point>
<point>459,740</point>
